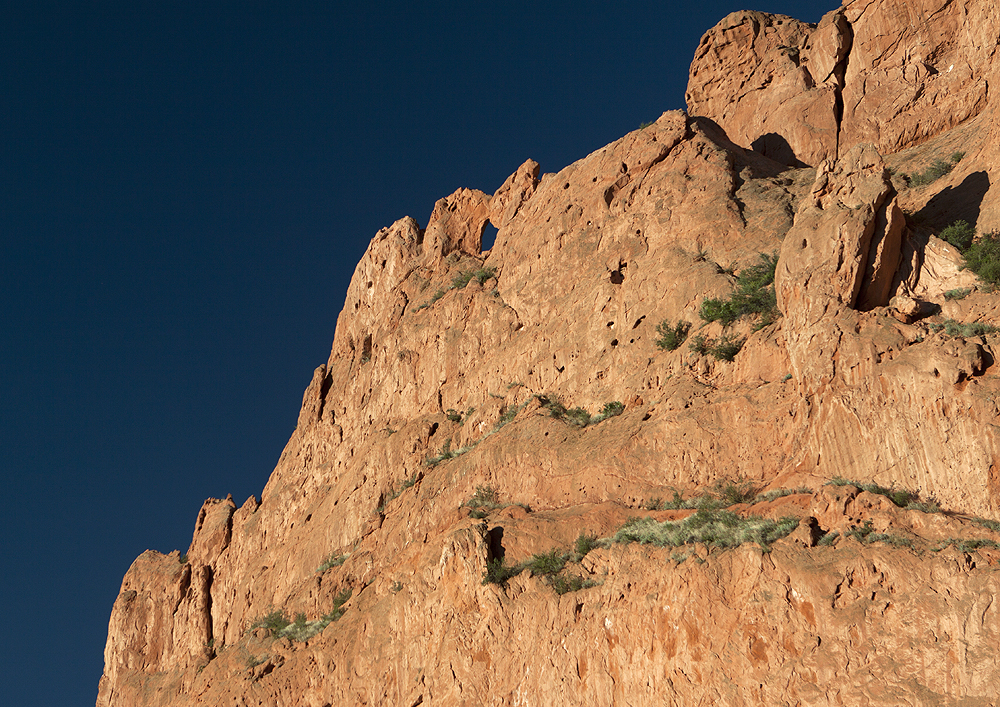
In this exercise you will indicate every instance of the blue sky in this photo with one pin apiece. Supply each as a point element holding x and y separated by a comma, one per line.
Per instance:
<point>186,189</point>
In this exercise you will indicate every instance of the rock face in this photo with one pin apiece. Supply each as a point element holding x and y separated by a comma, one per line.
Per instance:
<point>889,73</point>
<point>430,451</point>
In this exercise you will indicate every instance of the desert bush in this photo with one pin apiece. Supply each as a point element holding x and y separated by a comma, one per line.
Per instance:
<point>960,234</point>
<point>563,584</point>
<point>754,294</point>
<point>937,169</point>
<point>671,337</point>
<point>482,275</point>
<point>498,571</point>
<point>546,563</point>
<point>700,344</point>
<point>983,258</point>
<point>584,544</point>
<point>462,279</point>
<point>726,347</point>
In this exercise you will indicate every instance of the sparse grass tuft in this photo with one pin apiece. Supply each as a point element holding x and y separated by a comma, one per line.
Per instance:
<point>671,337</point>
<point>969,545</point>
<point>954,328</point>
<point>866,535</point>
<point>719,528</point>
<point>333,560</point>
<point>988,524</point>
<point>485,499</point>
<point>957,294</point>
<point>462,279</point>
<point>828,539</point>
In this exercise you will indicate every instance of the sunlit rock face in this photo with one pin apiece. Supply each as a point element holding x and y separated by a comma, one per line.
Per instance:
<point>481,409</point>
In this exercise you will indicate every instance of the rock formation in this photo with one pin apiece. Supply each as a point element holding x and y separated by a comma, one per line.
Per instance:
<point>441,442</point>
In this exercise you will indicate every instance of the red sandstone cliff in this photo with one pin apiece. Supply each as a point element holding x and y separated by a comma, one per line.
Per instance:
<point>865,602</point>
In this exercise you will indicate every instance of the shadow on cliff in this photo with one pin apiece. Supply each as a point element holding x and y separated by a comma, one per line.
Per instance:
<point>954,203</point>
<point>776,147</point>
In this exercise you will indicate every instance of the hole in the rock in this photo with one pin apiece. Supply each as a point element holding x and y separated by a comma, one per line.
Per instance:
<point>495,540</point>
<point>614,342</point>
<point>646,416</point>
<point>616,277</point>
<point>936,373</point>
<point>489,236</point>
<point>804,243</point>
<point>566,185</point>
<point>611,325</point>
<point>433,429</point>
<point>309,517</point>
<point>638,321</point>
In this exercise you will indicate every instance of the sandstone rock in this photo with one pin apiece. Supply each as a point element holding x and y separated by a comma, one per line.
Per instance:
<point>439,391</point>
<point>512,194</point>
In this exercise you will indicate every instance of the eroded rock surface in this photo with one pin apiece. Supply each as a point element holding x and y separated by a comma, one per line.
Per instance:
<point>440,390</point>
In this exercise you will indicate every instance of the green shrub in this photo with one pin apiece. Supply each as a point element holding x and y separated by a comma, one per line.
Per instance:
<point>726,347</point>
<point>983,258</point>
<point>612,409</point>
<point>828,539</point>
<point>584,544</point>
<point>453,415</point>
<point>957,294</point>
<point>671,337</point>
<point>563,584</point>
<point>937,169</point>
<point>700,344</point>
<point>546,563</point>
<point>719,528</point>
<point>482,275</point>
<point>274,623</point>
<point>498,571</point>
<point>956,157</point>
<point>960,234</point>
<point>754,294</point>
<point>462,279</point>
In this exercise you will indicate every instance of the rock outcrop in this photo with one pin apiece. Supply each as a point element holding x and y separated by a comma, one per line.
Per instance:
<point>440,443</point>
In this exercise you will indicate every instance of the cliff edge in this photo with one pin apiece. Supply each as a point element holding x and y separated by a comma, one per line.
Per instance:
<point>714,420</point>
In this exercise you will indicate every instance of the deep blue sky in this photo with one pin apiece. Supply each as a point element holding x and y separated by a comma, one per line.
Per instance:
<point>184,194</point>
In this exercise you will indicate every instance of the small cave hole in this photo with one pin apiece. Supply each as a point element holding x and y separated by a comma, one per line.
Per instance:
<point>805,243</point>
<point>309,517</point>
<point>616,277</point>
<point>638,321</point>
<point>614,343</point>
<point>936,373</point>
<point>647,416</point>
<point>489,237</point>
<point>433,429</point>
<point>495,539</point>
<point>611,325</point>
<point>566,185</point>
